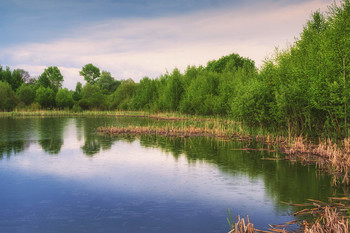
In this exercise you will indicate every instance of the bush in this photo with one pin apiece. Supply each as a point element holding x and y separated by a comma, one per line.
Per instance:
<point>26,94</point>
<point>34,107</point>
<point>7,97</point>
<point>64,99</point>
<point>45,97</point>
<point>76,108</point>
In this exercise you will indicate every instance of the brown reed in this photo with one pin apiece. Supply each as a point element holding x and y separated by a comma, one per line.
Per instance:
<point>334,157</point>
<point>330,221</point>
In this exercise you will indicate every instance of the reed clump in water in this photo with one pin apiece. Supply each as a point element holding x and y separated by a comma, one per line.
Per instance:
<point>245,226</point>
<point>331,221</point>
<point>328,218</point>
<point>242,226</point>
<point>164,131</point>
<point>335,157</point>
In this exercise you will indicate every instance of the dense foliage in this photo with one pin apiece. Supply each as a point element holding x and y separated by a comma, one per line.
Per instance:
<point>302,89</point>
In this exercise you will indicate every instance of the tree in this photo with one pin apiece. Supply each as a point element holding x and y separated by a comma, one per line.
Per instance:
<point>145,95</point>
<point>64,98</point>
<point>77,93</point>
<point>122,97</point>
<point>107,83</point>
<point>173,91</point>
<point>45,96</point>
<point>26,94</point>
<point>7,97</point>
<point>90,73</point>
<point>14,78</point>
<point>51,78</point>
<point>92,97</point>
<point>25,75</point>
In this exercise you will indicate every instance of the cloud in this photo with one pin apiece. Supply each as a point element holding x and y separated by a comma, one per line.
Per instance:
<point>134,48</point>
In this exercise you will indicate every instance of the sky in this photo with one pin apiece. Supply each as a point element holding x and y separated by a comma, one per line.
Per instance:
<point>138,38</point>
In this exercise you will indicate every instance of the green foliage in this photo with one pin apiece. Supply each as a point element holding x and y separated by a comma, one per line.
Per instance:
<point>77,93</point>
<point>145,95</point>
<point>200,96</point>
<point>34,107</point>
<point>26,94</point>
<point>172,91</point>
<point>64,99</point>
<point>76,108</point>
<point>45,96</point>
<point>122,98</point>
<point>14,78</point>
<point>92,97</point>
<point>52,78</point>
<point>7,97</point>
<point>107,83</point>
<point>90,73</point>
<point>230,63</point>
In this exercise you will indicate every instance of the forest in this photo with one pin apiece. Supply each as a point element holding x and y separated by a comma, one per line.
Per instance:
<point>303,88</point>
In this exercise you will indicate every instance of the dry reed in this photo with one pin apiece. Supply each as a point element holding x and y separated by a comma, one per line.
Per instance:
<point>330,221</point>
<point>242,226</point>
<point>328,218</point>
<point>335,157</point>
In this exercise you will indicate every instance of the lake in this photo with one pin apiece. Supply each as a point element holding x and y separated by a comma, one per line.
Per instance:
<point>58,175</point>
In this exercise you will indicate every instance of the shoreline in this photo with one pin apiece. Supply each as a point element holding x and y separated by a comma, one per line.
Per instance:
<point>328,155</point>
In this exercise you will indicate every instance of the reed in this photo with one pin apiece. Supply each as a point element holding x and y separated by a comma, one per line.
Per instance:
<point>330,217</point>
<point>330,221</point>
<point>243,226</point>
<point>332,156</point>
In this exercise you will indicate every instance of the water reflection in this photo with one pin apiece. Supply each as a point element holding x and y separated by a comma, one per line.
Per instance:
<point>12,137</point>
<point>144,178</point>
<point>283,180</point>
<point>50,132</point>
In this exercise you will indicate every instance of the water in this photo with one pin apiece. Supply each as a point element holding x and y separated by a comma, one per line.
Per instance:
<point>59,175</point>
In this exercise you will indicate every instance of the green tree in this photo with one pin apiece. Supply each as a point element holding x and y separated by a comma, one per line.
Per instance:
<point>145,95</point>
<point>26,94</point>
<point>90,73</point>
<point>45,97</point>
<point>52,78</point>
<point>77,93</point>
<point>7,97</point>
<point>338,47</point>
<point>122,98</point>
<point>107,83</point>
<point>92,97</point>
<point>13,78</point>
<point>16,79</point>
<point>201,94</point>
<point>64,98</point>
<point>173,91</point>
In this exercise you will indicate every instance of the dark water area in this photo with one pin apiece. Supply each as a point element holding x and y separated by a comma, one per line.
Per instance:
<point>60,175</point>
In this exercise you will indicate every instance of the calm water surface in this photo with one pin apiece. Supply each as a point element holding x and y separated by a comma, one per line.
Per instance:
<point>59,175</point>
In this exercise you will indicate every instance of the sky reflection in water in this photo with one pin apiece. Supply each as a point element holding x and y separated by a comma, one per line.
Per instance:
<point>66,178</point>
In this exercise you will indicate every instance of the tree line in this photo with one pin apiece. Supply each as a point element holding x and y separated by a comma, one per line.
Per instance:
<point>304,88</point>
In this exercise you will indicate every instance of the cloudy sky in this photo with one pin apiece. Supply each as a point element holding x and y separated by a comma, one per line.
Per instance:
<point>137,38</point>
